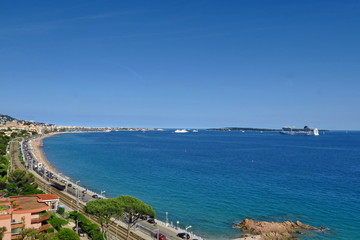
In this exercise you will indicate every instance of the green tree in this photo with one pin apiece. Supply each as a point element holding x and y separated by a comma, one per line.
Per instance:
<point>21,182</point>
<point>57,222</point>
<point>14,135</point>
<point>104,209</point>
<point>2,232</point>
<point>89,227</point>
<point>30,189</point>
<point>21,177</point>
<point>2,149</point>
<point>134,211</point>
<point>67,234</point>
<point>4,165</point>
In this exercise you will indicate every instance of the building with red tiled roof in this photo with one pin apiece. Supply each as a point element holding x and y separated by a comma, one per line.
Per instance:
<point>28,211</point>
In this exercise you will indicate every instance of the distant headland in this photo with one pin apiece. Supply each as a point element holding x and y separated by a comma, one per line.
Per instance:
<point>244,129</point>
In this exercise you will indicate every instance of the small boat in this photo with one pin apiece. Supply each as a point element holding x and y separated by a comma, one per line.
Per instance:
<point>180,131</point>
<point>195,130</point>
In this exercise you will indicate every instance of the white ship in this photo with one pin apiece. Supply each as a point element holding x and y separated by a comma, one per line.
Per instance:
<point>300,131</point>
<point>180,131</point>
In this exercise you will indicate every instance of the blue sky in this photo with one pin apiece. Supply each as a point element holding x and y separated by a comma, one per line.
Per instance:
<point>182,63</point>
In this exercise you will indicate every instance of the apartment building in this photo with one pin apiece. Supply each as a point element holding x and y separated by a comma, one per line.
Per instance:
<point>29,211</point>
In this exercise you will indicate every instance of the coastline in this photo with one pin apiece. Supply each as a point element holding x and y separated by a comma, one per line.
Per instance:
<point>37,144</point>
<point>39,154</point>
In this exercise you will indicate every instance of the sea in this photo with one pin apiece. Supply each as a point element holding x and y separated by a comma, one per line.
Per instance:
<point>214,179</point>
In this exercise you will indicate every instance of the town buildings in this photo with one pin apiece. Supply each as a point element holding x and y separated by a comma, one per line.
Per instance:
<point>28,211</point>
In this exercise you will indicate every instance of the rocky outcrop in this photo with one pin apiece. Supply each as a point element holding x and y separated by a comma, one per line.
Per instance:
<point>273,230</point>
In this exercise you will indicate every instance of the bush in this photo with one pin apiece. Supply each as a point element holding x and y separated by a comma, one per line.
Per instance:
<point>60,210</point>
<point>92,229</point>
<point>57,222</point>
<point>67,234</point>
<point>50,230</point>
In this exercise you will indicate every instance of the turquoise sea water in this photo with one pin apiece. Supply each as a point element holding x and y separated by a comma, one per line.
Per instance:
<point>211,180</point>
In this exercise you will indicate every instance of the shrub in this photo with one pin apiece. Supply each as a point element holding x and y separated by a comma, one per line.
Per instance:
<point>60,210</point>
<point>92,229</point>
<point>57,222</point>
<point>67,234</point>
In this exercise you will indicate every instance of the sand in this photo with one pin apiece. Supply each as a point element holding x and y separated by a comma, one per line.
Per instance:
<point>37,144</point>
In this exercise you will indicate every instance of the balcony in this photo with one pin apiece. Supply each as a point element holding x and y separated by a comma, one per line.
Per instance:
<point>4,209</point>
<point>17,225</point>
<point>44,227</point>
<point>17,236</point>
<point>40,219</point>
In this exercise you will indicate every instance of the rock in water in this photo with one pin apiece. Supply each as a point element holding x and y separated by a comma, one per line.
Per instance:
<point>273,230</point>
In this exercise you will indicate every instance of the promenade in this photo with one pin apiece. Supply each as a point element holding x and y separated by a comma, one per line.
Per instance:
<point>74,197</point>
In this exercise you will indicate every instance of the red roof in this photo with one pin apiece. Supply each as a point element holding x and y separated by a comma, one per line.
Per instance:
<point>47,196</point>
<point>41,197</point>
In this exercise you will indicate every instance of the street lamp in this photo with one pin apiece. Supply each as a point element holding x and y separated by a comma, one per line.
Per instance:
<point>187,231</point>
<point>77,189</point>
<point>167,220</point>
<point>102,193</point>
<point>177,224</point>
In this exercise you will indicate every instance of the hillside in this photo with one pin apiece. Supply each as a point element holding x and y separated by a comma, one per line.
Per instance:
<point>6,118</point>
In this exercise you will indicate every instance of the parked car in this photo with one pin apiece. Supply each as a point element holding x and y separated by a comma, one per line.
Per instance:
<point>160,236</point>
<point>151,220</point>
<point>95,196</point>
<point>183,235</point>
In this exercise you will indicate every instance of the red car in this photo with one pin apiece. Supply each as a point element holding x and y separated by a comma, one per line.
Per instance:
<point>160,236</point>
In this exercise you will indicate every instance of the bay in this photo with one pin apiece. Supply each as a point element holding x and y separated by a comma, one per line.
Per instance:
<point>211,180</point>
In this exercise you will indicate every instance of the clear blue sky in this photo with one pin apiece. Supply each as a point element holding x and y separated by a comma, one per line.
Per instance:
<point>182,63</point>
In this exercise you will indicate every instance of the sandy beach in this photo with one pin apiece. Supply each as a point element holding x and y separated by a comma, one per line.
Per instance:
<point>37,144</point>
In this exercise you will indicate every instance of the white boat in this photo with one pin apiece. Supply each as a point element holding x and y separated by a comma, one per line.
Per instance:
<point>300,131</point>
<point>195,130</point>
<point>180,131</point>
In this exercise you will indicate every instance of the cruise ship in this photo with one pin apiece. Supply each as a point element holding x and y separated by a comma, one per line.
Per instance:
<point>300,131</point>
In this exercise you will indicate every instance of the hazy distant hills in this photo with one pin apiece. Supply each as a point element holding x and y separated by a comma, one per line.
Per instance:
<point>6,118</point>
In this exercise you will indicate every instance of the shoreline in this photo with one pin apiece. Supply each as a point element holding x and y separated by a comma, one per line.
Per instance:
<point>39,154</point>
<point>37,148</point>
